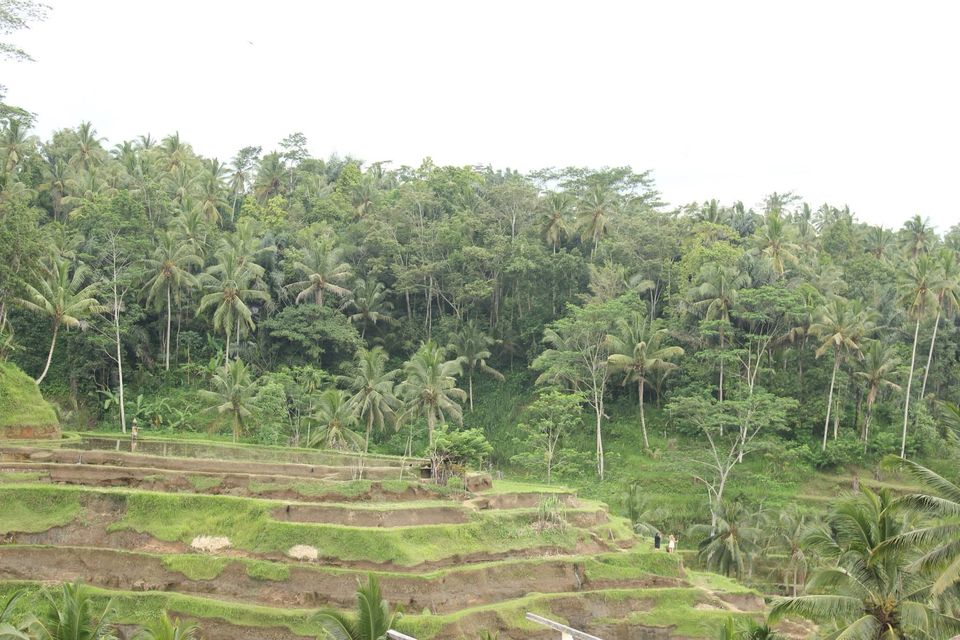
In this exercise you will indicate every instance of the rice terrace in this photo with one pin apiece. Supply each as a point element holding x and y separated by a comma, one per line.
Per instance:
<point>423,320</point>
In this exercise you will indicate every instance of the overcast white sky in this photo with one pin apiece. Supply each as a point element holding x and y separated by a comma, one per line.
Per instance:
<point>844,102</point>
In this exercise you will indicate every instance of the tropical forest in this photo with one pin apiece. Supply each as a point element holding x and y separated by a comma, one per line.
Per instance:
<point>282,396</point>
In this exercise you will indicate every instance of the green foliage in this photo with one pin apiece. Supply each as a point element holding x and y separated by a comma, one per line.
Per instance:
<point>462,447</point>
<point>21,404</point>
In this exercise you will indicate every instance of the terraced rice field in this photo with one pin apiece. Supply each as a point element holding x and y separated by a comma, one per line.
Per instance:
<point>251,541</point>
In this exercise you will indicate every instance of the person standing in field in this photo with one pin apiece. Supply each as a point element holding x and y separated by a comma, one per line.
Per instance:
<point>656,541</point>
<point>672,545</point>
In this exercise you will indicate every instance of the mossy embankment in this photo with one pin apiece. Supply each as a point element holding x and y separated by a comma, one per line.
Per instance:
<point>23,411</point>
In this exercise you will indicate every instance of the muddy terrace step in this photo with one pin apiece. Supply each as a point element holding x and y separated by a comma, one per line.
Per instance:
<point>309,585</point>
<point>194,465</point>
<point>226,451</point>
<point>232,484</point>
<point>614,614</point>
<point>140,520</point>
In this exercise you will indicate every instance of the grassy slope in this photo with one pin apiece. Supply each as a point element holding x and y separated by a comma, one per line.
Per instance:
<point>248,524</point>
<point>20,400</point>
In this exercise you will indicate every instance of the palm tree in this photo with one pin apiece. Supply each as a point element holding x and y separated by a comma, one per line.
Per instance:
<point>369,301</point>
<point>210,192</point>
<point>716,296</point>
<point>372,621</point>
<point>869,589</point>
<point>637,352</point>
<point>373,393</point>
<point>556,211</point>
<point>325,271</point>
<point>917,298</point>
<point>335,416</point>
<point>471,347</point>
<point>229,283</point>
<point>946,288</point>
<point>774,245</point>
<point>269,180</point>
<point>88,151</point>
<point>8,629</point>
<point>168,274</point>
<point>58,292</point>
<point>878,369</point>
<point>593,217</point>
<point>879,241</point>
<point>941,531</point>
<point>789,533</point>
<point>841,325</point>
<point>917,235</point>
<point>430,388</point>
<point>732,541</point>
<point>163,628</point>
<point>232,394</point>
<point>72,616</point>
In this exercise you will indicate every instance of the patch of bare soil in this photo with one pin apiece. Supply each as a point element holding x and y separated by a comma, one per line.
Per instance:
<point>519,500</point>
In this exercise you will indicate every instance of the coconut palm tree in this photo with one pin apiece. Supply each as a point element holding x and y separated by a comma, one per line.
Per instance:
<point>637,351</point>
<point>335,417</point>
<point>370,303</point>
<point>10,630</point>
<point>163,628</point>
<point>556,212</point>
<point>88,151</point>
<point>230,289</point>
<point>373,391</point>
<point>946,289</point>
<point>841,326</point>
<point>774,245</point>
<point>732,542</point>
<point>789,532</point>
<point>917,236</point>
<point>471,345</point>
<point>168,273</point>
<point>716,296</point>
<point>72,616</point>
<point>869,589</point>
<point>211,191</point>
<point>879,242</point>
<point>269,180</point>
<point>877,371</point>
<point>939,535</point>
<point>232,394</point>
<point>58,292</point>
<point>918,297</point>
<point>593,215</point>
<point>324,271</point>
<point>430,388</point>
<point>372,621</point>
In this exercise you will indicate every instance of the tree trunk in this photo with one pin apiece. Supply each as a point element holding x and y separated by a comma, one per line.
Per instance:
<point>430,421</point>
<point>169,312</point>
<point>866,424</point>
<point>236,425</point>
<point>833,379</point>
<point>116,329</point>
<point>53,343</point>
<point>906,401</point>
<point>227,356</point>
<point>470,387</point>
<point>643,420</point>
<point>598,408</point>
<point>933,341</point>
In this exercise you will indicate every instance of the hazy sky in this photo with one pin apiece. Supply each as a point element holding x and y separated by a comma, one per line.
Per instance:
<point>843,102</point>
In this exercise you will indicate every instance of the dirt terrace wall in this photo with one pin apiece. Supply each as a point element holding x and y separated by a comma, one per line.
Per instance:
<point>122,459</point>
<point>30,432</point>
<point>305,587</point>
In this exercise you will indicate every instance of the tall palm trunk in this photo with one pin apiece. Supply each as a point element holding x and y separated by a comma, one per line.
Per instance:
<point>116,329</point>
<point>430,423</point>
<point>906,401</point>
<point>470,387</point>
<point>833,380</point>
<point>227,357</point>
<point>933,341</point>
<point>169,312</point>
<point>598,409</point>
<point>53,343</point>
<point>866,420</point>
<point>643,419</point>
